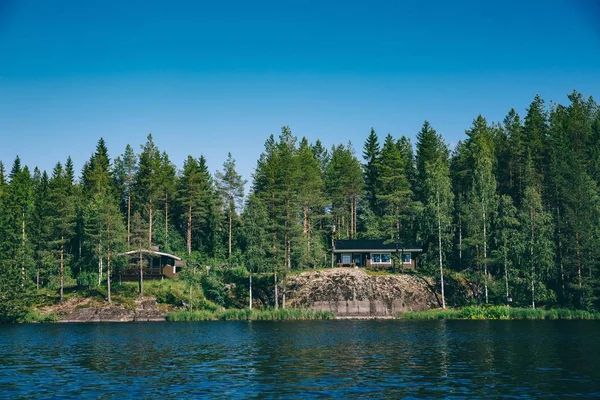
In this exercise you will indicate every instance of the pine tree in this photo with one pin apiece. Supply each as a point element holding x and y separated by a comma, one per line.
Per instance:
<point>125,170</point>
<point>396,197</point>
<point>138,240</point>
<point>231,188</point>
<point>311,200</point>
<point>343,186</point>
<point>167,184</point>
<point>194,195</point>
<point>147,182</point>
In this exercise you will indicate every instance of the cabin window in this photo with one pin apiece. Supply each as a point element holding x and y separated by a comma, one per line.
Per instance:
<point>380,258</point>
<point>406,258</point>
<point>346,258</point>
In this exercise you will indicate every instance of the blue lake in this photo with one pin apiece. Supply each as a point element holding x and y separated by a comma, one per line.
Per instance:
<point>309,359</point>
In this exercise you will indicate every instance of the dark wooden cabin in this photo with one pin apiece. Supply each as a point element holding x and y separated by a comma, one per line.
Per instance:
<point>155,264</point>
<point>373,253</point>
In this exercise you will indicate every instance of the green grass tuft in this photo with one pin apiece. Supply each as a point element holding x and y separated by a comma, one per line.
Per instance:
<point>289,314</point>
<point>499,312</point>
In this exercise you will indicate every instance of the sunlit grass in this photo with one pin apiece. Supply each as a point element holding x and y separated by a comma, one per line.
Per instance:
<point>499,312</point>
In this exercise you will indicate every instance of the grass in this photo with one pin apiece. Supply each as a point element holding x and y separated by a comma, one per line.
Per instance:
<point>288,314</point>
<point>34,316</point>
<point>499,312</point>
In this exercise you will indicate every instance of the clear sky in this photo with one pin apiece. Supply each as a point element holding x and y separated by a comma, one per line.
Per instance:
<point>211,77</point>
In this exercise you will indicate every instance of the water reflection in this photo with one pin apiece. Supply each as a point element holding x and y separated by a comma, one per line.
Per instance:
<point>366,359</point>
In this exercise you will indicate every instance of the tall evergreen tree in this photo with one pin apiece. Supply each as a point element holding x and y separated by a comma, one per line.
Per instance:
<point>372,157</point>
<point>231,188</point>
<point>147,182</point>
<point>312,202</point>
<point>194,195</point>
<point>256,239</point>
<point>125,170</point>
<point>396,197</point>
<point>167,184</point>
<point>508,242</point>
<point>63,217</point>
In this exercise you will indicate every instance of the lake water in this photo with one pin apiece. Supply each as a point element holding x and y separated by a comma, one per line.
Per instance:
<point>310,359</point>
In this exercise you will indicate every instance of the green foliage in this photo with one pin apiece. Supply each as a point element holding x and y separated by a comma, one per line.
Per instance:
<point>516,208</point>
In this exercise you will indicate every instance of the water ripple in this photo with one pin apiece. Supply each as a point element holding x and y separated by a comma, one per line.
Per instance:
<point>312,359</point>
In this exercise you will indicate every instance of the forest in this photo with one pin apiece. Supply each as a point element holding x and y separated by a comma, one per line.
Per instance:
<point>513,209</point>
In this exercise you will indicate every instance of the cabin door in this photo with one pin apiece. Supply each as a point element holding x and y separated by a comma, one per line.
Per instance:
<point>357,259</point>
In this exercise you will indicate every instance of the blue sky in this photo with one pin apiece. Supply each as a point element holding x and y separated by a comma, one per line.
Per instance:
<point>209,78</point>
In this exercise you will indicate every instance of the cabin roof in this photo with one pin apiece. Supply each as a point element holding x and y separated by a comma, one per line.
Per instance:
<point>370,245</point>
<point>151,253</point>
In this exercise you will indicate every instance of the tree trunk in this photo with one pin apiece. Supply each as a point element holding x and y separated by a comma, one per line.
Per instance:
<point>150,225</point>
<point>141,277</point>
<point>23,252</point>
<point>560,257</point>
<point>128,218</point>
<point>166,221</point>
<point>531,241</point>
<point>440,250</point>
<point>108,268</point>
<point>62,267</point>
<point>276,291</point>
<point>505,251</point>
<point>460,241</point>
<point>250,290</point>
<point>485,271</point>
<point>229,241</point>
<point>99,265</point>
<point>578,256</point>
<point>189,231</point>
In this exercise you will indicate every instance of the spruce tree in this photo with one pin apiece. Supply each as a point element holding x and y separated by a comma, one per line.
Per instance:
<point>63,218</point>
<point>372,157</point>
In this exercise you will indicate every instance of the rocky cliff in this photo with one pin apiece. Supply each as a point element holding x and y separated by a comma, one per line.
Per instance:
<point>352,292</point>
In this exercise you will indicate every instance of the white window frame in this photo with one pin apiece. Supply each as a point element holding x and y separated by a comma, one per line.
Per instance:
<point>381,262</point>
<point>349,255</point>
<point>409,258</point>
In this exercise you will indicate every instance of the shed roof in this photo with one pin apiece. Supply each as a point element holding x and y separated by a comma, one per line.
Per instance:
<point>151,253</point>
<point>362,245</point>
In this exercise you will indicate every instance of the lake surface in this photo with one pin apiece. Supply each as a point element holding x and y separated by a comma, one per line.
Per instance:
<point>310,359</point>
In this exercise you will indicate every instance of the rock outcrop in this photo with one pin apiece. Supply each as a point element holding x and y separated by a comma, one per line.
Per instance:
<point>84,310</point>
<point>352,292</point>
